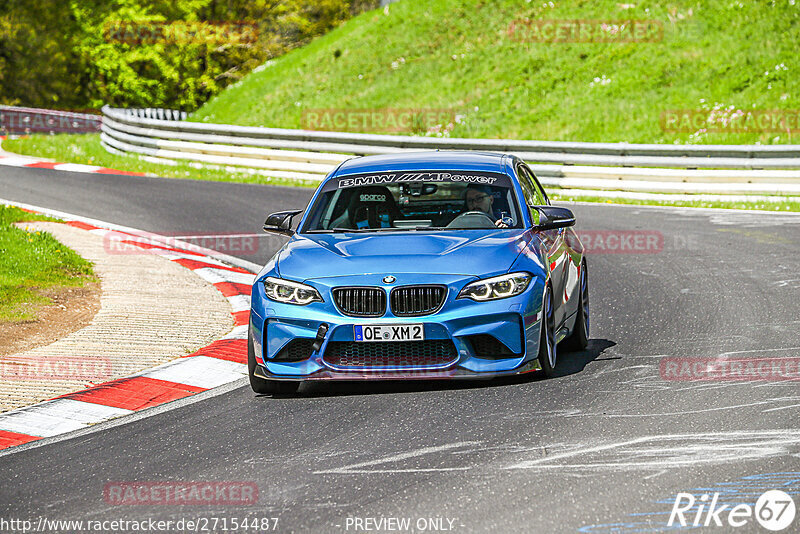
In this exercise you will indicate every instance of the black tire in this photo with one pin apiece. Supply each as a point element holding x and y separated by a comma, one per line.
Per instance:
<point>263,386</point>
<point>579,339</point>
<point>548,349</point>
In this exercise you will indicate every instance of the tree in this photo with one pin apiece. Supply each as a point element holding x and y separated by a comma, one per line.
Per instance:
<point>139,53</point>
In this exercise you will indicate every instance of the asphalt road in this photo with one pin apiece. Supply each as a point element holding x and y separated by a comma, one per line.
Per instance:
<point>604,448</point>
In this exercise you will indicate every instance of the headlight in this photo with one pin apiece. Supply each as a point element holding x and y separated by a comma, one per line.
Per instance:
<point>497,287</point>
<point>289,292</point>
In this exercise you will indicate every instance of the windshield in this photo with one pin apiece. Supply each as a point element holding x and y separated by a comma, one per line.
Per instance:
<point>413,201</point>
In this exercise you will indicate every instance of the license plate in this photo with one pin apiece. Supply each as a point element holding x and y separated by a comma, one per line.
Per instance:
<point>389,332</point>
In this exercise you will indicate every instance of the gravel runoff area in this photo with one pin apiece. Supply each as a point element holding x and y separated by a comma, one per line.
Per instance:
<point>152,311</point>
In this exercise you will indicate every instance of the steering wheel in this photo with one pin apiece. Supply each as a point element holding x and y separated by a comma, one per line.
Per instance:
<point>472,219</point>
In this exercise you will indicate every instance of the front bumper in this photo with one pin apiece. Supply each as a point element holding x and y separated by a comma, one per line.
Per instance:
<point>453,373</point>
<point>514,321</point>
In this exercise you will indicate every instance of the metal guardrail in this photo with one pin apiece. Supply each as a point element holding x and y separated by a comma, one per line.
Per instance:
<point>22,121</point>
<point>306,154</point>
<point>686,156</point>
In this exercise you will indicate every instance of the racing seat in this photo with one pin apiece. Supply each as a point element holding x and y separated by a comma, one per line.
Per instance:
<point>372,207</point>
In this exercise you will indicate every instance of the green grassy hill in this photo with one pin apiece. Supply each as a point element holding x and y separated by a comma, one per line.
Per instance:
<point>459,55</point>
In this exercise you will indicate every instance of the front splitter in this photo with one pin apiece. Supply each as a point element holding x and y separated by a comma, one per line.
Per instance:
<point>447,374</point>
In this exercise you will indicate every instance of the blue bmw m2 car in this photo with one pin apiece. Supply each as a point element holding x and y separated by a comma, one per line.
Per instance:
<point>419,265</point>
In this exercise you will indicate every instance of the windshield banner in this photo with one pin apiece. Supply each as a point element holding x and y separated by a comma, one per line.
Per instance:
<point>487,178</point>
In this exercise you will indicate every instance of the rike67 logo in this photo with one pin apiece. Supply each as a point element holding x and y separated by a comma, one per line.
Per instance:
<point>774,510</point>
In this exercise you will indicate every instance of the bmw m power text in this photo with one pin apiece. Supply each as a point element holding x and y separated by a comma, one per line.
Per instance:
<point>419,265</point>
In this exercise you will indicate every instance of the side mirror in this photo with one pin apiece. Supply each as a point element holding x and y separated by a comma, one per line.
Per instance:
<point>553,217</point>
<point>281,222</point>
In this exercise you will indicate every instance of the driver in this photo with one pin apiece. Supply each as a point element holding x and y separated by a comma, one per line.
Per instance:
<point>480,198</point>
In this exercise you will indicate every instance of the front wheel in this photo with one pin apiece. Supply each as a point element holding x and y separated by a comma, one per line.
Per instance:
<point>548,357</point>
<point>263,386</point>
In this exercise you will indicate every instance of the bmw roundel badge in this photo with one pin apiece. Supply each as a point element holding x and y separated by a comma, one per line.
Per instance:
<point>389,279</point>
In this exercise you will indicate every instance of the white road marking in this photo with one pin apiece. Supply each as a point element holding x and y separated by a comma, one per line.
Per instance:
<point>758,351</point>
<point>239,302</point>
<point>76,167</point>
<point>57,416</point>
<point>199,371</point>
<point>16,162</point>
<point>577,413</point>
<point>781,408</point>
<point>172,255</point>
<point>357,468</point>
<point>216,276</point>
<point>657,453</point>
<point>238,332</point>
<point>688,450</point>
<point>648,477</point>
<point>772,385</point>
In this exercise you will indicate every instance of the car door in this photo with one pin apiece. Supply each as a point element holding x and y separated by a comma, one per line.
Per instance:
<point>573,250</point>
<point>557,252</point>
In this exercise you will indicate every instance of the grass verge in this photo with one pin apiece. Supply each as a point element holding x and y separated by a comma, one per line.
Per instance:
<point>31,262</point>
<point>480,59</point>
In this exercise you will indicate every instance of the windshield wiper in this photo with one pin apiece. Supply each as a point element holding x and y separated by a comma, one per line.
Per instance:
<point>363,230</point>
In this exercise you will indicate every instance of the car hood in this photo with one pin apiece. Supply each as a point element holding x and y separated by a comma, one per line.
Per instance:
<point>464,252</point>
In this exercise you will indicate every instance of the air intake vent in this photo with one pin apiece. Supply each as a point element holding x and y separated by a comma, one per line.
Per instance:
<point>360,301</point>
<point>408,301</point>
<point>391,354</point>
<point>489,347</point>
<point>296,350</point>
